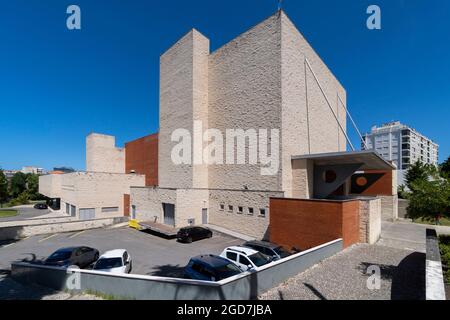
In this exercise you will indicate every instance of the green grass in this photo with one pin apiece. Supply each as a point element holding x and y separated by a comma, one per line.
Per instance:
<point>8,213</point>
<point>444,246</point>
<point>444,221</point>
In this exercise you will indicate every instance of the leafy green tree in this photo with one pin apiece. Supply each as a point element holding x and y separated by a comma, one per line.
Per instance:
<point>445,168</point>
<point>18,184</point>
<point>3,188</point>
<point>429,200</point>
<point>416,171</point>
<point>33,186</point>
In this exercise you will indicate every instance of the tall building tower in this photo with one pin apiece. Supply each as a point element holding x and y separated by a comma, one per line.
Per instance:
<point>402,145</point>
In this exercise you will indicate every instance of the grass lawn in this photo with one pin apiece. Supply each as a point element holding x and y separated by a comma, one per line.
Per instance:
<point>7,213</point>
<point>444,221</point>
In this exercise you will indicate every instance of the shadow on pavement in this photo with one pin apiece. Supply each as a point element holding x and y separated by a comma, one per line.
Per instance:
<point>408,278</point>
<point>171,271</point>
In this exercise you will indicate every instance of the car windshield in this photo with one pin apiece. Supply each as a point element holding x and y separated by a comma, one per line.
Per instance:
<point>283,253</point>
<point>108,263</point>
<point>60,255</point>
<point>259,259</point>
<point>227,271</point>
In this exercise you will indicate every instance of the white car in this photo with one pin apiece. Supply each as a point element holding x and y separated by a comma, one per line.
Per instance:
<point>114,261</point>
<point>245,258</point>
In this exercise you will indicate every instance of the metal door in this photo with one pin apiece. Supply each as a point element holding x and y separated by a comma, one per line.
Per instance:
<point>169,214</point>
<point>204,216</point>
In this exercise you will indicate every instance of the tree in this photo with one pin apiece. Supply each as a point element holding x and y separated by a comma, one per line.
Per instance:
<point>429,200</point>
<point>33,186</point>
<point>445,168</point>
<point>3,188</point>
<point>416,171</point>
<point>18,184</point>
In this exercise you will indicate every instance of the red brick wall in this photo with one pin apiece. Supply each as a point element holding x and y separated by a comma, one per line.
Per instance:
<point>141,155</point>
<point>308,223</point>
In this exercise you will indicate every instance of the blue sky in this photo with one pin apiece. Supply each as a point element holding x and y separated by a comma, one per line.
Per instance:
<point>57,86</point>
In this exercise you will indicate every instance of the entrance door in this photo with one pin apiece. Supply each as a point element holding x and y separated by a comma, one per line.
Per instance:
<point>204,216</point>
<point>169,214</point>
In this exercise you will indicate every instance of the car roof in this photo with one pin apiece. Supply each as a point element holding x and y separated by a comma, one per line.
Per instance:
<point>211,260</point>
<point>244,250</point>
<point>117,253</point>
<point>262,244</point>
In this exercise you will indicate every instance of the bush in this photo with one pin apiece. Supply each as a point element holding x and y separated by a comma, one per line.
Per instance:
<point>21,199</point>
<point>444,246</point>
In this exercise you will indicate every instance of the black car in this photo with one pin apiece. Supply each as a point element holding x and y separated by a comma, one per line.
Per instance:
<point>269,249</point>
<point>40,206</point>
<point>73,256</point>
<point>210,268</point>
<point>190,234</point>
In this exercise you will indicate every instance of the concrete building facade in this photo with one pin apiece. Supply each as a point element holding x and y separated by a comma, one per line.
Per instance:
<point>402,145</point>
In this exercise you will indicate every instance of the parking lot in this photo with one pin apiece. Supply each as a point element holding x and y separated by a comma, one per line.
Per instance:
<point>151,255</point>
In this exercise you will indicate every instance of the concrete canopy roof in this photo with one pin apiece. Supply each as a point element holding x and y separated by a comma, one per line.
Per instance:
<point>370,160</point>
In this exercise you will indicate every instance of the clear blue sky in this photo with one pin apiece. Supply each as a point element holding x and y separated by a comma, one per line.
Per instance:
<point>57,86</point>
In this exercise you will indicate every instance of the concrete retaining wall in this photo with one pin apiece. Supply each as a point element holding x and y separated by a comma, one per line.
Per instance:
<point>434,279</point>
<point>241,287</point>
<point>58,226</point>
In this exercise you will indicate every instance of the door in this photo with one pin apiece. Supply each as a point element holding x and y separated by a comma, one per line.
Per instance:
<point>169,214</point>
<point>133,212</point>
<point>204,216</point>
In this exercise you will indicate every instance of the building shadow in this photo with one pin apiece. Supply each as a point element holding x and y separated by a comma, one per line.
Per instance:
<point>407,278</point>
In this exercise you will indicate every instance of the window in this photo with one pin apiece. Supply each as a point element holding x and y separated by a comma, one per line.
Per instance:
<point>67,208</point>
<point>222,207</point>
<point>240,210</point>
<point>244,260</point>
<point>262,212</point>
<point>232,255</point>
<point>250,211</point>
<point>230,208</point>
<point>73,211</point>
<point>110,209</point>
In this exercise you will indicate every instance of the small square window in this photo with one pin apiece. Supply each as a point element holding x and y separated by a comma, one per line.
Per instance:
<point>230,208</point>
<point>262,212</point>
<point>222,207</point>
<point>250,211</point>
<point>241,210</point>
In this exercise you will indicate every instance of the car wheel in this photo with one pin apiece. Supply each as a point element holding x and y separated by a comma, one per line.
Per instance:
<point>189,239</point>
<point>210,235</point>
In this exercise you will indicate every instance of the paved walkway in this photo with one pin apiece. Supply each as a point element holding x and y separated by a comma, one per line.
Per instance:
<point>229,232</point>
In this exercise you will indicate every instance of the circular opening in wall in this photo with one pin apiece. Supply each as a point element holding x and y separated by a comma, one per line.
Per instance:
<point>361,181</point>
<point>329,176</point>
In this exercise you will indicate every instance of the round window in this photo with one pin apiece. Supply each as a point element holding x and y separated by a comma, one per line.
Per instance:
<point>361,181</point>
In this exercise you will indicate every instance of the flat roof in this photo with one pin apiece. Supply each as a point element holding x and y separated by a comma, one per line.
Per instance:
<point>370,159</point>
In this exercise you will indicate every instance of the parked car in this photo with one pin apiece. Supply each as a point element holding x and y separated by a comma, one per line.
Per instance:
<point>246,258</point>
<point>190,234</point>
<point>40,206</point>
<point>73,256</point>
<point>269,249</point>
<point>211,268</point>
<point>114,261</point>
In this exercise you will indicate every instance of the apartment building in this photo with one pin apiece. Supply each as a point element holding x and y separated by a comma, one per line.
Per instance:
<point>402,145</point>
<point>269,85</point>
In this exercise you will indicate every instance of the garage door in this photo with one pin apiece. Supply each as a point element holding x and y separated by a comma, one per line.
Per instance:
<point>87,214</point>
